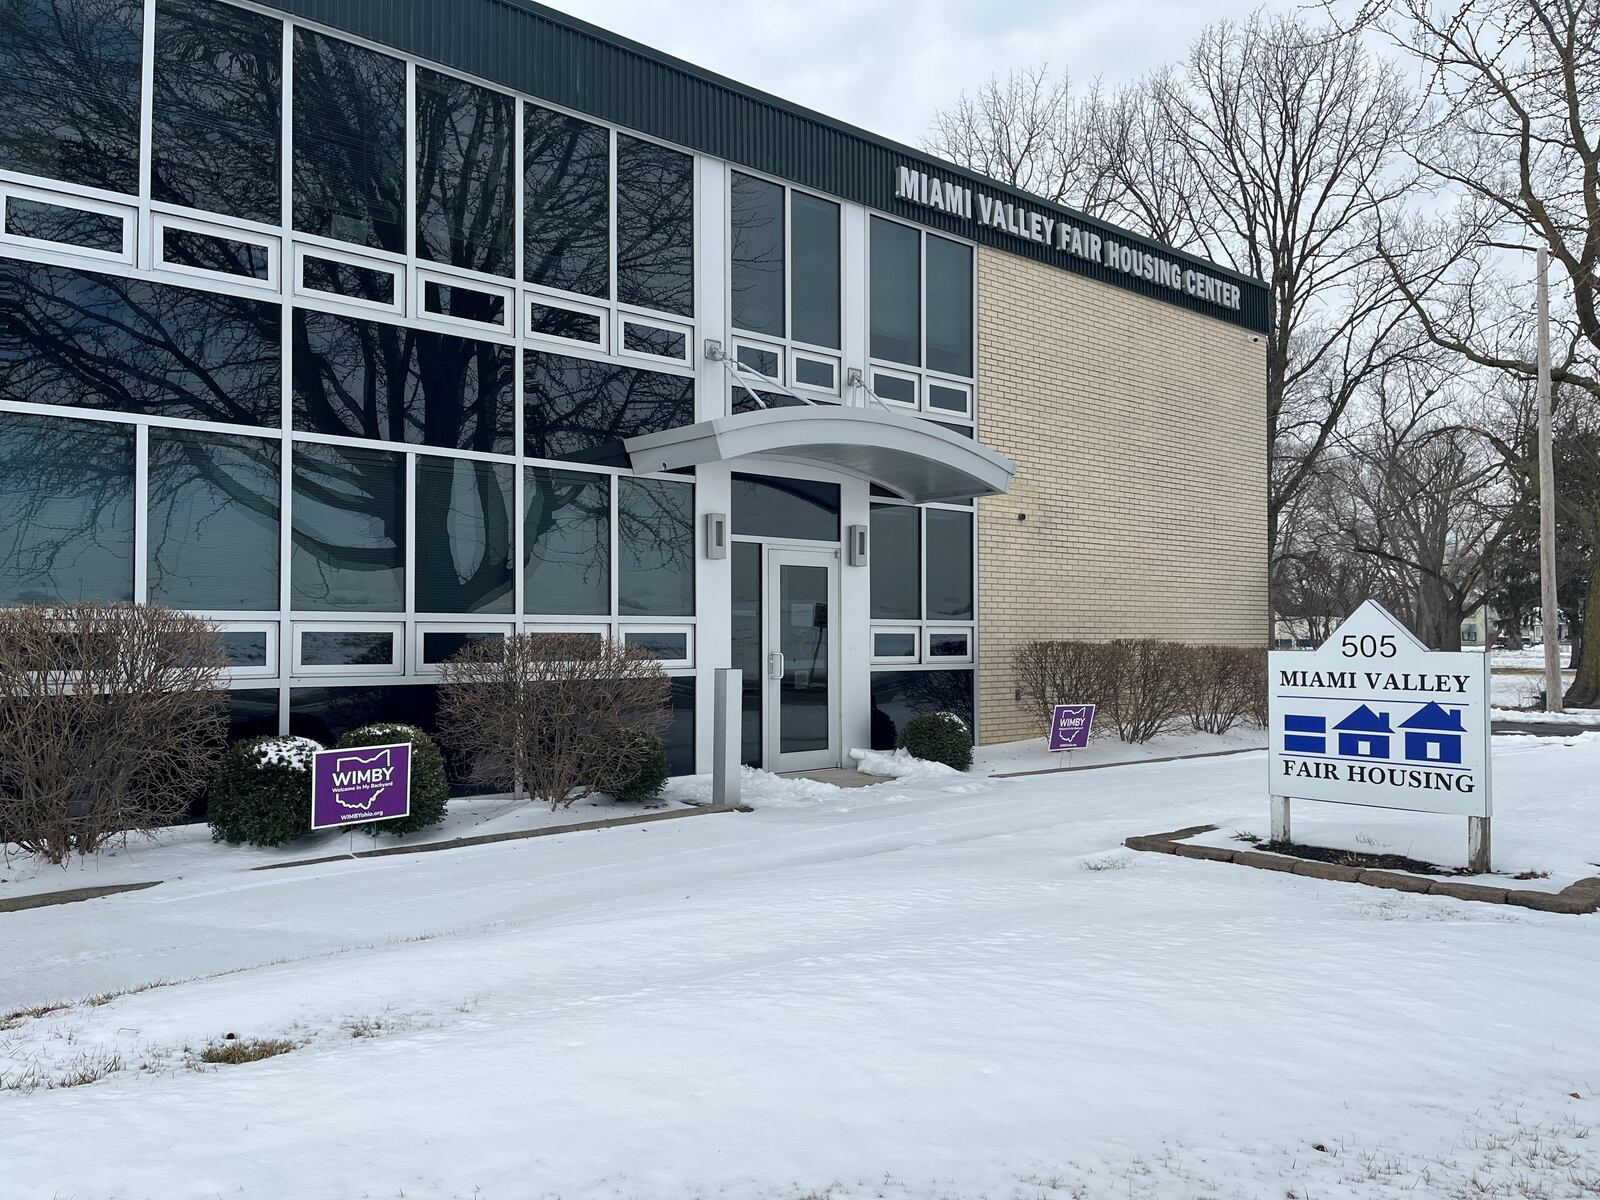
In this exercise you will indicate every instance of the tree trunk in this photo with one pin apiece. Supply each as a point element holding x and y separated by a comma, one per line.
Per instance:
<point>1585,689</point>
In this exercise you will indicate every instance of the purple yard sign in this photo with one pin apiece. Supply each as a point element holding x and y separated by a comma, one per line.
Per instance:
<point>1069,728</point>
<point>364,783</point>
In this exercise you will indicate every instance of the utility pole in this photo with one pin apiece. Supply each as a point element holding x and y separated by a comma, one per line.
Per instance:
<point>1550,615</point>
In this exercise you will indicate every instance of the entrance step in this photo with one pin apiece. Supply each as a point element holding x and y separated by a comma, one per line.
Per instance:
<point>838,776</point>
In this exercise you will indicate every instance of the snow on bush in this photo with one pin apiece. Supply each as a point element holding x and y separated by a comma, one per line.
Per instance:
<point>940,737</point>
<point>898,765</point>
<point>261,794</point>
<point>430,789</point>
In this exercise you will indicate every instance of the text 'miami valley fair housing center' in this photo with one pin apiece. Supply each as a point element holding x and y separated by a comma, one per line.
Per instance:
<point>372,329</point>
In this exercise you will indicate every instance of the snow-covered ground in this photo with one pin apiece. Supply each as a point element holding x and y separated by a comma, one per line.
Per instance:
<point>936,988</point>
<point>1529,658</point>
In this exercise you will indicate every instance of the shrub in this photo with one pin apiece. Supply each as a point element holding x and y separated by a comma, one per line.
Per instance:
<point>940,737</point>
<point>261,793</point>
<point>430,790</point>
<point>1254,660</point>
<point>111,719</point>
<point>1218,687</point>
<point>650,772</point>
<point>553,713</point>
<point>1146,686</point>
<point>1062,672</point>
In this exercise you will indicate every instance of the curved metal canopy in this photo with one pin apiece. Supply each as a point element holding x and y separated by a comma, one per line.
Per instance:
<point>913,458</point>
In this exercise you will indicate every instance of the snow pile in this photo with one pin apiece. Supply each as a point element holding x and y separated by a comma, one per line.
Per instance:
<point>293,752</point>
<point>901,764</point>
<point>758,788</point>
<point>1583,718</point>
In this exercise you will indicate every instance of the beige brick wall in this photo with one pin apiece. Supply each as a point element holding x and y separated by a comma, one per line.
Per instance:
<point>1139,504</point>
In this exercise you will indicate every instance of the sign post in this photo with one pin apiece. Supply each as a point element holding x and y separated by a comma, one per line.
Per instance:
<point>1373,717</point>
<point>1069,728</point>
<point>363,783</point>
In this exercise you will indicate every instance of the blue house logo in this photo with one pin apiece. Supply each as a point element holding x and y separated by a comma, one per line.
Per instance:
<point>1433,734</point>
<point>1364,734</point>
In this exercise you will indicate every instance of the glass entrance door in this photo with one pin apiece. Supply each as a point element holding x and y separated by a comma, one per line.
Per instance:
<point>802,708</point>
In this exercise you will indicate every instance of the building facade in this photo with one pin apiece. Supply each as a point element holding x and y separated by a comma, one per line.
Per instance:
<point>372,330</point>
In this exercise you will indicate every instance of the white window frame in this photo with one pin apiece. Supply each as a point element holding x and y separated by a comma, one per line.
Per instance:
<point>128,213</point>
<point>161,222</point>
<point>395,665</point>
<point>600,312</point>
<point>915,632</point>
<point>396,271</point>
<point>836,361</point>
<point>270,628</point>
<point>911,377</point>
<point>628,630</point>
<point>776,349</point>
<point>965,632</point>
<point>646,321</point>
<point>936,413</point>
<point>422,664</point>
<point>422,276</point>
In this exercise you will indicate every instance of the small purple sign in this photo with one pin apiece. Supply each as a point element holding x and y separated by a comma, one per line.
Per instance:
<point>1069,728</point>
<point>363,783</point>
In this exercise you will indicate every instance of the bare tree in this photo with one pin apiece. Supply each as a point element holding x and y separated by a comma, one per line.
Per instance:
<point>111,720</point>
<point>556,713</point>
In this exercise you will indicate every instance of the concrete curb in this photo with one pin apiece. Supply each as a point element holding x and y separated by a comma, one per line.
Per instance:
<point>1132,762</point>
<point>1577,898</point>
<point>70,896</point>
<point>516,835</point>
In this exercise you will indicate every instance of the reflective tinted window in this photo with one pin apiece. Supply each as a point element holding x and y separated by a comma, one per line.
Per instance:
<point>767,506</point>
<point>652,339</point>
<point>949,306</point>
<point>213,520</point>
<point>466,181</point>
<point>66,510</point>
<point>129,345</point>
<point>896,292</point>
<point>465,539</point>
<point>655,226</point>
<point>950,570</point>
<point>376,380</point>
<point>349,142</point>
<point>346,648</point>
<point>894,645</point>
<point>814,283</point>
<point>217,116</point>
<point>579,409</point>
<point>566,230</point>
<point>762,362</point>
<point>341,278</point>
<point>464,303</point>
<point>659,644</point>
<point>655,548</point>
<point>564,323</point>
<point>947,398</point>
<point>894,550</point>
<point>893,387</point>
<point>349,529</point>
<point>811,372</point>
<point>567,543</point>
<point>69,226</point>
<point>69,90</point>
<point>446,644</point>
<point>757,251</point>
<point>949,645</point>
<point>226,256</point>
<point>245,648</point>
<point>897,696</point>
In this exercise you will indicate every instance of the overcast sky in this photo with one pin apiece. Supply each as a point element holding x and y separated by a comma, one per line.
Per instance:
<point>890,65</point>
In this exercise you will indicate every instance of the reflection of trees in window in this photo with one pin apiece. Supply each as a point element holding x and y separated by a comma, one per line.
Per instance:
<point>69,226</point>
<point>655,548</point>
<point>349,529</point>
<point>216,124</point>
<point>897,696</point>
<point>66,510</point>
<point>349,142</point>
<point>567,183</point>
<point>580,409</point>
<point>128,345</point>
<point>69,90</point>
<point>655,226</point>
<point>371,379</point>
<point>228,256</point>
<point>465,176</point>
<point>213,520</point>
<point>757,255</point>
<point>465,546</point>
<point>567,543</point>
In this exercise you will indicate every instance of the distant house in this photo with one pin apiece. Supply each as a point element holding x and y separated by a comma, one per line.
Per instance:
<point>1433,734</point>
<point>1364,734</point>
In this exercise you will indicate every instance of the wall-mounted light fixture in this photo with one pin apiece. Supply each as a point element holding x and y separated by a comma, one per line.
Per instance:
<point>716,535</point>
<point>858,545</point>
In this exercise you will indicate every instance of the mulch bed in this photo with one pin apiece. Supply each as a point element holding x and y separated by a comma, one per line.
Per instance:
<point>1353,858</point>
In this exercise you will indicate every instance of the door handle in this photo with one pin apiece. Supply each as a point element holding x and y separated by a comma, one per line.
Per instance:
<point>775,665</point>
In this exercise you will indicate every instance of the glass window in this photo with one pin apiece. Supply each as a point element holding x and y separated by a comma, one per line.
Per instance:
<point>747,643</point>
<point>567,188</point>
<point>580,409</point>
<point>464,303</point>
<point>217,126</point>
<point>894,551</point>
<point>372,379</point>
<point>226,256</point>
<point>757,250</point>
<point>655,548</point>
<point>661,644</point>
<point>652,339</point>
<point>465,539</point>
<point>349,142</point>
<point>567,543</point>
<point>244,648</point>
<point>349,529</point>
<point>465,176</point>
<point>896,292</point>
<point>655,226</point>
<point>69,226</point>
<point>346,648</point>
<point>680,732</point>
<point>66,510</point>
<point>950,571</point>
<point>894,645</point>
<point>440,646</point>
<point>129,345</point>
<point>949,306</point>
<point>342,278</point>
<point>768,506</point>
<point>564,323</point>
<point>69,90</point>
<point>213,520</point>
<point>897,696</point>
<point>814,287</point>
